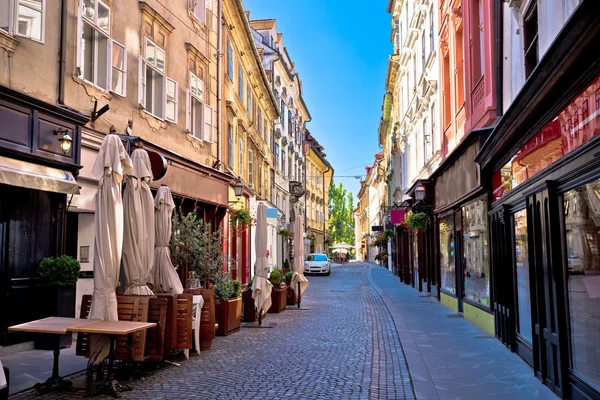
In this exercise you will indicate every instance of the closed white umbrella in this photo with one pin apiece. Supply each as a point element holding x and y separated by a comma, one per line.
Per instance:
<point>138,234</point>
<point>299,282</point>
<point>111,165</point>
<point>261,287</point>
<point>164,275</point>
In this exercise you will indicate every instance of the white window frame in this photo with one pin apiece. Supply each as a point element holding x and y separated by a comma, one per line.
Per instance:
<point>143,81</point>
<point>198,95</point>
<point>81,18</point>
<point>173,101</point>
<point>13,20</point>
<point>199,4</point>
<point>241,157</point>
<point>124,70</point>
<point>208,137</point>
<point>250,167</point>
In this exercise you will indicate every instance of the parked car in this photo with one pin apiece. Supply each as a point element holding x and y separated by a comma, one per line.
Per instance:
<point>317,264</point>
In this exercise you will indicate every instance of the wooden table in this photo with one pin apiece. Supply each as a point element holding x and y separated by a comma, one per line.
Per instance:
<point>61,325</point>
<point>56,326</point>
<point>112,329</point>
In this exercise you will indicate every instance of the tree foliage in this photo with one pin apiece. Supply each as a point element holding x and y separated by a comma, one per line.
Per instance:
<point>341,220</point>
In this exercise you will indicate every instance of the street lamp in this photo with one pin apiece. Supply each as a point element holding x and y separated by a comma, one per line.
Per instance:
<point>238,188</point>
<point>420,192</point>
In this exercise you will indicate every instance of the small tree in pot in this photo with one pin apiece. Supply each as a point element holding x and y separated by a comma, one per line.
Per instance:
<point>57,278</point>
<point>278,293</point>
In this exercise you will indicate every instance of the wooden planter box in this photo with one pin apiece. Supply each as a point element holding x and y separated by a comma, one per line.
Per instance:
<point>250,314</point>
<point>207,318</point>
<point>229,316</point>
<point>292,299</point>
<point>278,299</point>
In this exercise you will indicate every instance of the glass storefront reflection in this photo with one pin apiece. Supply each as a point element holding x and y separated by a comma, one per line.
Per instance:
<point>476,263</point>
<point>522,262</point>
<point>448,269</point>
<point>582,223</point>
<point>575,125</point>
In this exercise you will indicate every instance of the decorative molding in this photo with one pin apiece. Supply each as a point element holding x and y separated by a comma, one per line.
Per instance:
<point>155,16</point>
<point>8,42</point>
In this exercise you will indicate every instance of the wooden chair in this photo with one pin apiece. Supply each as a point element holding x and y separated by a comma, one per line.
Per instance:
<point>184,322</point>
<point>197,303</point>
<point>82,347</point>
<point>155,338</point>
<point>132,308</point>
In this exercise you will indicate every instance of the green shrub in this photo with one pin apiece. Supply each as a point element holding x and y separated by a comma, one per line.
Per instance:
<point>288,277</point>
<point>276,277</point>
<point>417,221</point>
<point>237,288</point>
<point>61,271</point>
<point>223,290</point>
<point>286,263</point>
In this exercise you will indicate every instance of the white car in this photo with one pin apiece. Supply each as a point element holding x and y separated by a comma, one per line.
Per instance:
<point>317,264</point>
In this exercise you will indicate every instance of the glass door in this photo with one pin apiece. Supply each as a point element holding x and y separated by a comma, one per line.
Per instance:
<point>523,326</point>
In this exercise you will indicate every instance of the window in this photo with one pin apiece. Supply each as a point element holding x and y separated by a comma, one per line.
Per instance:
<point>241,157</point>
<point>155,87</point>
<point>94,45</point>
<point>582,239</point>
<point>290,166</point>
<point>480,31</point>
<point>250,167</point>
<point>249,99</point>
<point>260,173</point>
<point>290,126</point>
<point>433,135</point>
<point>230,143</point>
<point>119,69</point>
<point>530,40</point>
<point>229,61</point>
<point>241,83</point>
<point>276,97</point>
<point>522,268</point>
<point>266,132</point>
<point>432,28</point>
<point>24,18</point>
<point>423,52</point>
<point>276,155</point>
<point>199,118</point>
<point>259,127</point>
<point>198,8</point>
<point>283,158</point>
<point>282,114</point>
<point>475,253</point>
<point>448,269</point>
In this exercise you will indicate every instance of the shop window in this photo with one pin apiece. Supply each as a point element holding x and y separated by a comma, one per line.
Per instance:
<point>447,262</point>
<point>522,270</point>
<point>199,115</point>
<point>475,253</point>
<point>23,18</point>
<point>582,224</point>
<point>531,39</point>
<point>94,47</point>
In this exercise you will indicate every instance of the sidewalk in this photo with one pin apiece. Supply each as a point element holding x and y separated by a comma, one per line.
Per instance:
<point>449,357</point>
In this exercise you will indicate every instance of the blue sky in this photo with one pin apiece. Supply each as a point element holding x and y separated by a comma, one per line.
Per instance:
<point>340,49</point>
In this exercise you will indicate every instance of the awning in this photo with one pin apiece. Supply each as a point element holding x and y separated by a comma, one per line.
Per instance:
<point>33,176</point>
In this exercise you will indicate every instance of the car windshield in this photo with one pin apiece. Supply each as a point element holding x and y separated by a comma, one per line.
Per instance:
<point>316,257</point>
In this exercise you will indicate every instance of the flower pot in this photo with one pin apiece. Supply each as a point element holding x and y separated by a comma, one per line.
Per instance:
<point>55,301</point>
<point>278,299</point>
<point>229,316</point>
<point>250,314</point>
<point>207,317</point>
<point>292,299</point>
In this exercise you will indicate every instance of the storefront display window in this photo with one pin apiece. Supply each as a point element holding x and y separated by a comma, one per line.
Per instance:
<point>475,249</point>
<point>447,266</point>
<point>522,263</point>
<point>582,223</point>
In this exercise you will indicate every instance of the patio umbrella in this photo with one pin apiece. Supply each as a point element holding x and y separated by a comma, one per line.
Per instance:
<point>164,275</point>
<point>261,287</point>
<point>138,233</point>
<point>299,282</point>
<point>111,165</point>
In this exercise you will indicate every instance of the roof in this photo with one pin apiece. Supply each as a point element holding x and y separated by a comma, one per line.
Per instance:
<point>262,24</point>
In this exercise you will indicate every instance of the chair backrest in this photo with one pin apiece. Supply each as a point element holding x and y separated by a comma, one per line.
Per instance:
<point>197,300</point>
<point>82,347</point>
<point>184,321</point>
<point>132,308</point>
<point>155,337</point>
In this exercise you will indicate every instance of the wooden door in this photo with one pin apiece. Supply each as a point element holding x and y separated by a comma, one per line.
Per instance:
<point>545,261</point>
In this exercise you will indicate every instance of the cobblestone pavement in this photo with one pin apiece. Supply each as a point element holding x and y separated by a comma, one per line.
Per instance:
<point>345,347</point>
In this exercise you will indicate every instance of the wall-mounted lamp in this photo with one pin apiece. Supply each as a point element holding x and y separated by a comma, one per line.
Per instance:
<point>65,140</point>
<point>420,192</point>
<point>238,189</point>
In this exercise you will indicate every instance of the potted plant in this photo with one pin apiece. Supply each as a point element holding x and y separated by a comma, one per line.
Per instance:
<point>279,292</point>
<point>240,217</point>
<point>286,266</point>
<point>56,278</point>
<point>417,221</point>
<point>199,246</point>
<point>284,233</point>
<point>249,314</point>
<point>291,294</point>
<point>228,307</point>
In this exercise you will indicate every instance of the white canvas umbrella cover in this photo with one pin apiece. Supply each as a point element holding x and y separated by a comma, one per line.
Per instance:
<point>298,276</point>
<point>164,275</point>
<point>261,287</point>
<point>110,166</point>
<point>138,233</point>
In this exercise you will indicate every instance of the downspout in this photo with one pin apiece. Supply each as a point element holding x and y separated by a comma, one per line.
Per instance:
<point>498,22</point>
<point>62,52</point>
<point>219,86</point>
<point>324,221</point>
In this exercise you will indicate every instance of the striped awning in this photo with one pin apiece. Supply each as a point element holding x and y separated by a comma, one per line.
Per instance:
<point>34,176</point>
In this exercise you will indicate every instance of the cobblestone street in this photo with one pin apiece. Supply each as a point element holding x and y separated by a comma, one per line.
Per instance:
<point>345,347</point>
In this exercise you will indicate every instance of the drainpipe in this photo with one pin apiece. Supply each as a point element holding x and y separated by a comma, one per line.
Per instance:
<point>219,72</point>
<point>324,222</point>
<point>498,22</point>
<point>62,52</point>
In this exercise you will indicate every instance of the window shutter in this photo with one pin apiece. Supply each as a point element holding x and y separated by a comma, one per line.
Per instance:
<point>188,111</point>
<point>174,97</point>
<point>109,65</point>
<point>199,9</point>
<point>164,98</point>
<point>208,123</point>
<point>142,82</point>
<point>78,35</point>
<point>125,71</point>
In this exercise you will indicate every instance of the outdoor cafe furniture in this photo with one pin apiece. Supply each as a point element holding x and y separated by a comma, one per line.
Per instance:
<point>113,329</point>
<point>56,326</point>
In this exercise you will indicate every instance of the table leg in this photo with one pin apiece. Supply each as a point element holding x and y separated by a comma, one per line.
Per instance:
<point>109,385</point>
<point>55,379</point>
